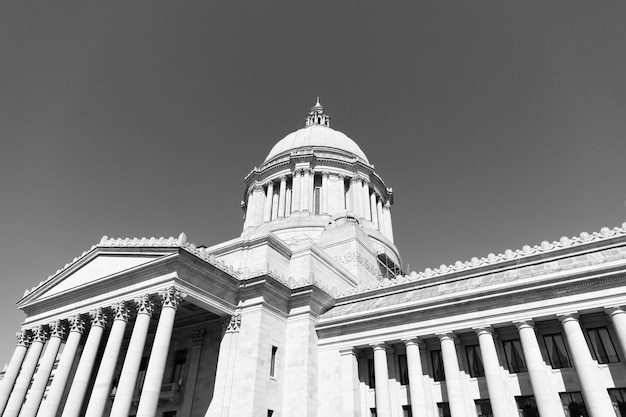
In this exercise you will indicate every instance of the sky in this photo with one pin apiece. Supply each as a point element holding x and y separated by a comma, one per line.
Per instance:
<point>496,123</point>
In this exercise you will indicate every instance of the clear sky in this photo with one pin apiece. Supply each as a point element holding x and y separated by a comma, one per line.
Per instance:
<point>497,123</point>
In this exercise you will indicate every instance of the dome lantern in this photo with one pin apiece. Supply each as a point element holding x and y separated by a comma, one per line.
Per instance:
<point>317,116</point>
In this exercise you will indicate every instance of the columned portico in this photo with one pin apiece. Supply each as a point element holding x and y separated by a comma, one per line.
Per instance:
<point>500,401</point>
<point>149,399</point>
<point>596,397</point>
<point>40,335</point>
<point>13,369</point>
<point>454,387</point>
<point>383,399</point>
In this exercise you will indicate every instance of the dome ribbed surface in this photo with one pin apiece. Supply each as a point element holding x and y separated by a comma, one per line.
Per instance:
<point>316,136</point>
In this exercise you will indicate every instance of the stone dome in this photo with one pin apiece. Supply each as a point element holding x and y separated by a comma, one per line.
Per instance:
<point>316,137</point>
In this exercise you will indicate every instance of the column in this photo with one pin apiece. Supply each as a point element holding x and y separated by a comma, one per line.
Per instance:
<point>342,190</point>
<point>51,405</point>
<point>381,219</point>
<point>225,364</point>
<point>132,361</point>
<point>295,190</point>
<point>416,380</point>
<point>305,191</point>
<point>246,205</point>
<point>38,387</point>
<point>355,187</point>
<point>350,383</point>
<point>40,334</point>
<point>618,316</point>
<point>374,209</point>
<point>500,401</point>
<point>10,375</point>
<point>269,197</point>
<point>387,219</point>
<point>596,396</point>
<point>548,402</point>
<point>149,399</point>
<point>282,192</point>
<point>104,378</point>
<point>325,185</point>
<point>76,396</point>
<point>365,199</point>
<point>454,387</point>
<point>383,399</point>
<point>189,386</point>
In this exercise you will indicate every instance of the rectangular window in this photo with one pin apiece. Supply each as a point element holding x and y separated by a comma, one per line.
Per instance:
<point>317,194</point>
<point>371,374</point>
<point>618,398</point>
<point>526,406</point>
<point>406,411</point>
<point>602,347</point>
<point>573,404</point>
<point>273,362</point>
<point>474,361</point>
<point>372,412</point>
<point>443,409</point>
<point>169,414</point>
<point>483,408</point>
<point>514,356</point>
<point>270,413</point>
<point>180,357</point>
<point>557,352</point>
<point>437,362</point>
<point>404,370</point>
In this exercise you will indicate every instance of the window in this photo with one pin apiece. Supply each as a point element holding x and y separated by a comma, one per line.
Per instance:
<point>557,352</point>
<point>404,371</point>
<point>437,362</point>
<point>141,375</point>
<point>602,348</point>
<point>514,356</point>
<point>371,374</point>
<point>317,194</point>
<point>444,409</point>
<point>474,361</point>
<point>180,357</point>
<point>573,404</point>
<point>270,413</point>
<point>526,406</point>
<point>406,411</point>
<point>169,414</point>
<point>372,412</point>
<point>273,362</point>
<point>483,408</point>
<point>618,398</point>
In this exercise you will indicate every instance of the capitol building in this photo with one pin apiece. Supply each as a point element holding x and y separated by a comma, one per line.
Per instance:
<point>308,313</point>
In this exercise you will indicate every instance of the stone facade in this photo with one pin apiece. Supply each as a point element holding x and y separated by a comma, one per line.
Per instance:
<point>308,313</point>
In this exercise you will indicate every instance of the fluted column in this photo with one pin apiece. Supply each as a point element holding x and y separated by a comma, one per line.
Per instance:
<point>416,380</point>
<point>132,361</point>
<point>38,387</point>
<point>76,396</point>
<point>104,378</point>
<point>548,402</point>
<point>10,375</point>
<point>306,191</point>
<point>325,185</point>
<point>374,209</point>
<point>40,334</point>
<point>618,317</point>
<point>295,190</point>
<point>52,402</point>
<point>342,191</point>
<point>149,399</point>
<point>269,198</point>
<point>383,399</point>
<point>500,401</point>
<point>451,370</point>
<point>596,396</point>
<point>282,194</point>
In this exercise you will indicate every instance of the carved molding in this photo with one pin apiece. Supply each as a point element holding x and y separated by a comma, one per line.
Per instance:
<point>40,334</point>
<point>144,305</point>
<point>121,311</point>
<point>23,338</point>
<point>171,297</point>
<point>234,324</point>
<point>98,317</point>
<point>77,324</point>
<point>57,329</point>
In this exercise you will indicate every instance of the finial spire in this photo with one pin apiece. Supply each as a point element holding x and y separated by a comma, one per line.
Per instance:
<point>317,116</point>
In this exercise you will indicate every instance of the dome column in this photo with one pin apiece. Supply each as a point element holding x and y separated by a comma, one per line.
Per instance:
<point>306,190</point>
<point>387,220</point>
<point>269,197</point>
<point>365,199</point>
<point>325,185</point>
<point>342,190</point>
<point>282,196</point>
<point>374,209</point>
<point>295,190</point>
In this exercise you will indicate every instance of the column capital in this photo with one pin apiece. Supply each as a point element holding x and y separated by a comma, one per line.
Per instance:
<point>23,338</point>
<point>413,341</point>
<point>198,337</point>
<point>447,335</point>
<point>524,323</point>
<point>40,334</point>
<point>351,350</point>
<point>257,187</point>
<point>341,176</point>
<point>614,310</point>
<point>379,346</point>
<point>283,178</point>
<point>234,323</point>
<point>98,317</point>
<point>325,174</point>
<point>565,317</point>
<point>57,329</point>
<point>387,204</point>
<point>171,297</point>
<point>269,183</point>
<point>120,311</point>
<point>484,329</point>
<point>354,179</point>
<point>77,324</point>
<point>144,305</point>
